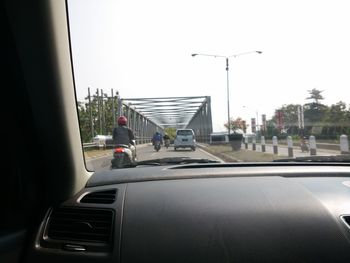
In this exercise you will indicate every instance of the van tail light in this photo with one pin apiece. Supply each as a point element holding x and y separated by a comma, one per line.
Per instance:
<point>119,150</point>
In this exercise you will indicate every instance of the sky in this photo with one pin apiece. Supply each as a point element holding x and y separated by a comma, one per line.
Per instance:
<point>143,49</point>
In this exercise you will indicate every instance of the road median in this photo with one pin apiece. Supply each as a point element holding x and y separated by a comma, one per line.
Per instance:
<point>225,153</point>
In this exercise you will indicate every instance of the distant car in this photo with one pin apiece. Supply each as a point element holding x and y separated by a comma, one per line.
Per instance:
<point>249,136</point>
<point>102,141</point>
<point>185,138</point>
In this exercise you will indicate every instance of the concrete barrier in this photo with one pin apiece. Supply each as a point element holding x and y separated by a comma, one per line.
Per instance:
<point>254,143</point>
<point>344,144</point>
<point>313,147</point>
<point>263,144</point>
<point>290,146</point>
<point>275,145</point>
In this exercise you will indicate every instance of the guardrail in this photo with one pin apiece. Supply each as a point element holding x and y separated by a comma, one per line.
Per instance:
<point>109,144</point>
<point>87,145</point>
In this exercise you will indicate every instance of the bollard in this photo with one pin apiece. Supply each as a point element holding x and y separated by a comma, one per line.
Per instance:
<point>246,142</point>
<point>290,146</point>
<point>263,148</point>
<point>254,143</point>
<point>275,145</point>
<point>312,142</point>
<point>344,144</point>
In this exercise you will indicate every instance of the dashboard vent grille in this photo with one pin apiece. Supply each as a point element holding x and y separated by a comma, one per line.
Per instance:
<point>346,220</point>
<point>100,197</point>
<point>78,224</point>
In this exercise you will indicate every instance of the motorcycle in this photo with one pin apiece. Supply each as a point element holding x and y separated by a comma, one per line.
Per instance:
<point>304,147</point>
<point>123,157</point>
<point>157,145</point>
<point>167,143</point>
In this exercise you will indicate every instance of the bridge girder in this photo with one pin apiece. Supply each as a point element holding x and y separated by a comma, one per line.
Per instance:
<point>147,115</point>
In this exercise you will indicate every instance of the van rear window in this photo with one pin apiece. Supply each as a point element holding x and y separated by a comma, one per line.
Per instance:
<point>184,132</point>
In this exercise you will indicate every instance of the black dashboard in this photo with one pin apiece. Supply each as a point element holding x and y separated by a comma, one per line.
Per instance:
<point>203,213</point>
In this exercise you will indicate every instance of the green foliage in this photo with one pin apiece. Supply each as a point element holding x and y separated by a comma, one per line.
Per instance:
<point>102,116</point>
<point>328,121</point>
<point>171,132</point>
<point>315,94</point>
<point>84,121</point>
<point>290,117</point>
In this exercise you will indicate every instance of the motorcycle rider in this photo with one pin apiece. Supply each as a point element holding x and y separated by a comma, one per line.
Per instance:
<point>166,139</point>
<point>303,144</point>
<point>157,137</point>
<point>122,134</point>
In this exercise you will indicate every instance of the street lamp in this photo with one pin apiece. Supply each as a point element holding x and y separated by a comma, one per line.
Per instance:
<point>227,76</point>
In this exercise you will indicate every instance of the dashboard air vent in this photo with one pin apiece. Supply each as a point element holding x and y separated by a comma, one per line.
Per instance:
<point>346,219</point>
<point>80,224</point>
<point>100,197</point>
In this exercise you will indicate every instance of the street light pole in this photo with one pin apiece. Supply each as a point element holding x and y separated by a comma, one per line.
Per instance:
<point>227,77</point>
<point>228,98</point>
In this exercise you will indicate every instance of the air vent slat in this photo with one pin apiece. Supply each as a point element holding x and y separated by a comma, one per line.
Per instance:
<point>346,219</point>
<point>101,197</point>
<point>88,225</point>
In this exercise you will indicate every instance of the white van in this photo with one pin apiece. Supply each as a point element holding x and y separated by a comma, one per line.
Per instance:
<point>185,138</point>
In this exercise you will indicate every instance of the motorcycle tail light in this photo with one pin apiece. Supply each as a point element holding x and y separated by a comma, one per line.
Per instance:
<point>119,150</point>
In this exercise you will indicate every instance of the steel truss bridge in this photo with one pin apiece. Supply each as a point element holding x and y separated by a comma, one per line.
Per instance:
<point>148,115</point>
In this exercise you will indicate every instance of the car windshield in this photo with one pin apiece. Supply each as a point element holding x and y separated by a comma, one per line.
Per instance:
<point>253,81</point>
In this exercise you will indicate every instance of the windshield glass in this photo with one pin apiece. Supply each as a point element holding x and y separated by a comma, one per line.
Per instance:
<point>184,132</point>
<point>255,81</point>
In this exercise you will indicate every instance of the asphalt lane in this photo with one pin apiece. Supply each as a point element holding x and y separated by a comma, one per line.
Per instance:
<point>146,152</point>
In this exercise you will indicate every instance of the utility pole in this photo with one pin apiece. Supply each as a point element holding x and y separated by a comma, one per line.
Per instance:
<point>113,109</point>
<point>91,121</point>
<point>120,107</point>
<point>99,110</point>
<point>103,114</point>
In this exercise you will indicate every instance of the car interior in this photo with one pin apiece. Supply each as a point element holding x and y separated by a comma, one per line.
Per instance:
<point>55,210</point>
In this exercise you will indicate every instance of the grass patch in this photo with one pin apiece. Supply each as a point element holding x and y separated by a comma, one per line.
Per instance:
<point>225,152</point>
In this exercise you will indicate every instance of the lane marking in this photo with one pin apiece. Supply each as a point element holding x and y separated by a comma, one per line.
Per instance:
<point>211,155</point>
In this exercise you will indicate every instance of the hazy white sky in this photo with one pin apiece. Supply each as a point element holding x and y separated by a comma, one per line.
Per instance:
<point>143,49</point>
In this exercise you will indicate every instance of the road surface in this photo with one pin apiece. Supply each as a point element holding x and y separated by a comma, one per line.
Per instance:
<point>146,152</point>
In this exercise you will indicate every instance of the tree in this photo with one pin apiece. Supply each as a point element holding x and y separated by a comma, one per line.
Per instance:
<point>290,118</point>
<point>84,122</point>
<point>102,116</point>
<point>337,120</point>
<point>314,112</point>
<point>237,125</point>
<point>171,132</point>
<point>271,128</point>
<point>315,94</point>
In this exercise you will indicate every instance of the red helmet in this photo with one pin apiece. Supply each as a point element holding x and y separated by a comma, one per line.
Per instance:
<point>122,120</point>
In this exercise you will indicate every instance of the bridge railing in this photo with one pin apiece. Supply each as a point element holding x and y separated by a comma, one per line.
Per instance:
<point>109,144</point>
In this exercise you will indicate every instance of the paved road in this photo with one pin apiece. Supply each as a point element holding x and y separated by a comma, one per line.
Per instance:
<point>145,152</point>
